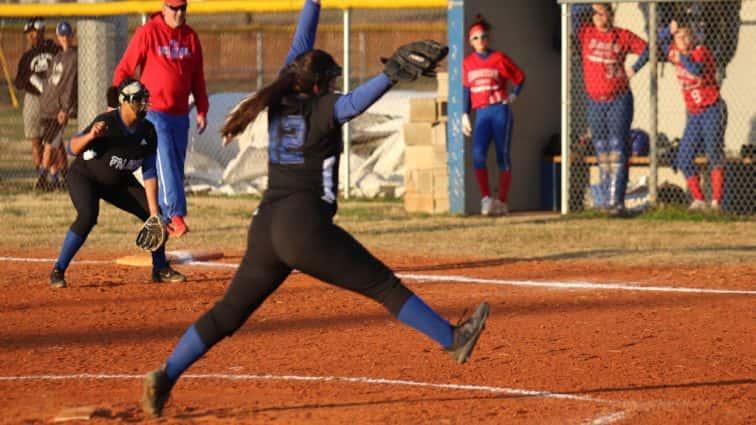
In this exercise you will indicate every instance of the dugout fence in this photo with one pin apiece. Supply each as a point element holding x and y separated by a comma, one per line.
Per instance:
<point>679,128</point>
<point>244,45</point>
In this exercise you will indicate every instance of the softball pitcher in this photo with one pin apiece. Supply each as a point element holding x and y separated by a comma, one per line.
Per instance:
<point>707,112</point>
<point>293,227</point>
<point>604,48</point>
<point>485,73</point>
<point>107,153</point>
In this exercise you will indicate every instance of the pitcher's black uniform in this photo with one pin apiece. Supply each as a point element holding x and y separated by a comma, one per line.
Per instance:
<point>293,227</point>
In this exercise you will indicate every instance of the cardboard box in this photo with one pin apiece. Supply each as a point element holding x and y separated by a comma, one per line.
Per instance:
<point>419,157</point>
<point>419,181</point>
<point>442,78</point>
<point>423,110</point>
<point>439,135</point>
<point>416,202</point>
<point>418,133</point>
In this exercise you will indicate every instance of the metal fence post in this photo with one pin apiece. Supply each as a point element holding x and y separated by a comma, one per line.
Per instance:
<point>103,41</point>
<point>346,88</point>
<point>565,95</point>
<point>259,60</point>
<point>653,105</point>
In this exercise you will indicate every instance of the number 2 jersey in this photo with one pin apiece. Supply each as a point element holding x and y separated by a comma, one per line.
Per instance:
<point>112,157</point>
<point>604,54</point>
<point>699,91</point>
<point>304,148</point>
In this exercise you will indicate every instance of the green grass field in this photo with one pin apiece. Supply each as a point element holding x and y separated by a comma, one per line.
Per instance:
<point>665,237</point>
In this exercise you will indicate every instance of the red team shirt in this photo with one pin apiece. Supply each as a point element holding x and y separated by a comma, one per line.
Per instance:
<point>604,56</point>
<point>171,66</point>
<point>699,91</point>
<point>487,78</point>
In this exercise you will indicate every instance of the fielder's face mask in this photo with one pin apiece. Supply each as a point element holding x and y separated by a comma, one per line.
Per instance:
<point>137,96</point>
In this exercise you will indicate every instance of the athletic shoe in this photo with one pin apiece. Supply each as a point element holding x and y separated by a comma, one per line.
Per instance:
<point>177,227</point>
<point>500,207</point>
<point>167,274</point>
<point>57,279</point>
<point>466,334</point>
<point>156,391</point>
<point>697,205</point>
<point>715,207</point>
<point>486,205</point>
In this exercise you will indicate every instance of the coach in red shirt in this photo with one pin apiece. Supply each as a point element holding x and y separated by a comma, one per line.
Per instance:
<point>169,55</point>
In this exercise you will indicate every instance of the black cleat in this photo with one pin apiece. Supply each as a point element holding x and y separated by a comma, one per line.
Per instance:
<point>156,391</point>
<point>167,274</point>
<point>466,334</point>
<point>57,278</point>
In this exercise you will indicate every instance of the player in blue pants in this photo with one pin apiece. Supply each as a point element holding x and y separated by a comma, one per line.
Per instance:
<point>293,226</point>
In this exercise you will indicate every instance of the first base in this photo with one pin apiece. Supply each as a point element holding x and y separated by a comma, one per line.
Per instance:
<point>84,413</point>
<point>175,257</point>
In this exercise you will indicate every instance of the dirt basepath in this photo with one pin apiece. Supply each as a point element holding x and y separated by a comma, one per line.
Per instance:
<point>592,355</point>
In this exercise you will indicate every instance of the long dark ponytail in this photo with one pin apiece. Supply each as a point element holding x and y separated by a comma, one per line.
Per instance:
<point>307,74</point>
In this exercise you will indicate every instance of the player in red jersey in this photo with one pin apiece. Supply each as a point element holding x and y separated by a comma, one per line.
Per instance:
<point>604,49</point>
<point>485,75</point>
<point>707,112</point>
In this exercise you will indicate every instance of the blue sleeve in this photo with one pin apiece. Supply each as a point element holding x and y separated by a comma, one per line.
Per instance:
<point>148,167</point>
<point>466,99</point>
<point>642,59</point>
<point>358,100</point>
<point>307,27</point>
<point>695,68</point>
<point>518,88</point>
<point>580,16</point>
<point>665,38</point>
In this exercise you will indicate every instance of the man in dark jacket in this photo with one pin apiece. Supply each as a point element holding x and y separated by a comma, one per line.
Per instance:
<point>58,103</point>
<point>32,72</point>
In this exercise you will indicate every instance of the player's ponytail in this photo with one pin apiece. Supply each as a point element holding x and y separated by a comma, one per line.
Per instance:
<point>249,108</point>
<point>481,22</point>
<point>310,73</point>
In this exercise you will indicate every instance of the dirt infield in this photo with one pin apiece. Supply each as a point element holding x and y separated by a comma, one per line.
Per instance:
<point>677,352</point>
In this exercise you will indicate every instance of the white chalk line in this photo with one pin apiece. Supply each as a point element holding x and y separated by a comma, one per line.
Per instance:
<point>474,280</point>
<point>340,379</point>
<point>607,419</point>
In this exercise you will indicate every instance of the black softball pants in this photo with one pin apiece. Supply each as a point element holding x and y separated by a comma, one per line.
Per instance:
<point>298,232</point>
<point>86,193</point>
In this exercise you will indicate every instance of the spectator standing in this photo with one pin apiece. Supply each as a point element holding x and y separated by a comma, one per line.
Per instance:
<point>58,103</point>
<point>603,49</point>
<point>168,54</point>
<point>707,112</point>
<point>32,72</point>
<point>485,75</point>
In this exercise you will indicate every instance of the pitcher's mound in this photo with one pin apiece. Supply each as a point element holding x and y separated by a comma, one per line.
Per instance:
<point>175,257</point>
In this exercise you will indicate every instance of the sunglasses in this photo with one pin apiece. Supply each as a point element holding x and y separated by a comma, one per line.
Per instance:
<point>177,8</point>
<point>483,36</point>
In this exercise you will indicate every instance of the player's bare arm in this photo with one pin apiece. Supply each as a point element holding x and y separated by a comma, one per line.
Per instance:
<point>79,142</point>
<point>151,190</point>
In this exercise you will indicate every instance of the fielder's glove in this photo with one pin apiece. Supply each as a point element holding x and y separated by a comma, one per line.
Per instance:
<point>152,235</point>
<point>414,59</point>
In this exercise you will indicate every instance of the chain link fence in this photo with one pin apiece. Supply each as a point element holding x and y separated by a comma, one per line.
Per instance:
<point>242,52</point>
<point>661,107</point>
